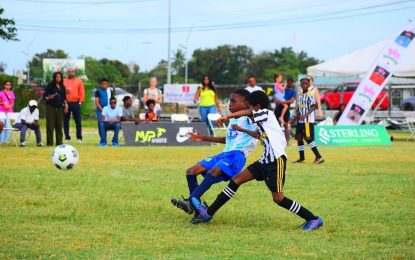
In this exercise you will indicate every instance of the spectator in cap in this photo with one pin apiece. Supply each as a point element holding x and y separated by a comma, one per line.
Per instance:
<point>29,118</point>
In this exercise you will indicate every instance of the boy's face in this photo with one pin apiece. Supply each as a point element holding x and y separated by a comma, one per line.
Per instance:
<point>128,103</point>
<point>305,84</point>
<point>113,103</point>
<point>236,103</point>
<point>151,107</point>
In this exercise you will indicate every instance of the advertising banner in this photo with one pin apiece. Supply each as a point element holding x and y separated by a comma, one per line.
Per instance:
<point>51,66</point>
<point>362,135</point>
<point>180,93</point>
<point>162,134</point>
<point>377,77</point>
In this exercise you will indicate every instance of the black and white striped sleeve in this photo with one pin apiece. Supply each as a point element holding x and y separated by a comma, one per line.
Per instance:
<point>260,115</point>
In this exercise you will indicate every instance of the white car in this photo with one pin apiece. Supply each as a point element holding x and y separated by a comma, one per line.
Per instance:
<point>120,93</point>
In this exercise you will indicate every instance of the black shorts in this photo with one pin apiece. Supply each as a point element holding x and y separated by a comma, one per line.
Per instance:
<point>306,130</point>
<point>278,112</point>
<point>272,173</point>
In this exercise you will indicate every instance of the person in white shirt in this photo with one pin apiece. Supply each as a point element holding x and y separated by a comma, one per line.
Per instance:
<point>111,120</point>
<point>270,168</point>
<point>29,118</point>
<point>252,85</point>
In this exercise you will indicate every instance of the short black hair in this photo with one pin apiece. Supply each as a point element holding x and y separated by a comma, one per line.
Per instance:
<point>290,79</point>
<point>258,98</point>
<point>306,79</point>
<point>242,92</point>
<point>113,98</point>
<point>126,98</point>
<point>251,76</point>
<point>150,101</point>
<point>103,80</point>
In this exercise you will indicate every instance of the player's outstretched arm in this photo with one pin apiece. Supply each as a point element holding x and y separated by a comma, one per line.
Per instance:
<point>195,136</point>
<point>254,134</point>
<point>233,115</point>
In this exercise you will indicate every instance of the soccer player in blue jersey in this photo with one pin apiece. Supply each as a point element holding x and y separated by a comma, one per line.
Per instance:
<point>223,166</point>
<point>269,168</point>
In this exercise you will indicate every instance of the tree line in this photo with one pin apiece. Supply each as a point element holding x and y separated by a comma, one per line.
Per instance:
<point>226,64</point>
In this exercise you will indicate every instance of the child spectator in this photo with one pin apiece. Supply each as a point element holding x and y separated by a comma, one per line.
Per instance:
<point>151,115</point>
<point>279,92</point>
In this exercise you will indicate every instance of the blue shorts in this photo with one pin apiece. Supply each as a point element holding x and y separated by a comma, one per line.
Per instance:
<point>231,163</point>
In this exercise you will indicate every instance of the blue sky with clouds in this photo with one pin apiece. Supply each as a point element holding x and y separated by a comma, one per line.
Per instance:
<point>136,30</point>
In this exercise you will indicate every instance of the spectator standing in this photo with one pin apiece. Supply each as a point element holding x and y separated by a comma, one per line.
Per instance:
<point>209,101</point>
<point>56,107</point>
<point>2,121</point>
<point>28,118</point>
<point>289,96</point>
<point>75,96</point>
<point>102,99</point>
<point>155,94</point>
<point>7,98</point>
<point>111,118</point>
<point>252,85</point>
<point>316,94</point>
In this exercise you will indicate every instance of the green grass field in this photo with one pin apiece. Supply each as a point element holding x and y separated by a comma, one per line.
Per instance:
<point>116,204</point>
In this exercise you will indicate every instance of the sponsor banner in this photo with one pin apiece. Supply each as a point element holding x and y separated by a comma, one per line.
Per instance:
<point>179,93</point>
<point>162,134</point>
<point>377,77</point>
<point>51,66</point>
<point>362,135</point>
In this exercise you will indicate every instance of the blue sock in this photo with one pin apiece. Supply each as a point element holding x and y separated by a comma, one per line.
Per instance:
<point>191,182</point>
<point>205,185</point>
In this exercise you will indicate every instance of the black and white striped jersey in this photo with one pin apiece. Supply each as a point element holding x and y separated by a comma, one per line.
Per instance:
<point>271,135</point>
<point>305,102</point>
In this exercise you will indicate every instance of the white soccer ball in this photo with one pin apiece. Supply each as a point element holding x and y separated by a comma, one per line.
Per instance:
<point>65,157</point>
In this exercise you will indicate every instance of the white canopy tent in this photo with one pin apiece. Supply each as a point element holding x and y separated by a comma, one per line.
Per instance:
<point>359,62</point>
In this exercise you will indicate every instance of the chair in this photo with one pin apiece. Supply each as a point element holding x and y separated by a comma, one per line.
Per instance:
<point>142,116</point>
<point>12,117</point>
<point>216,129</point>
<point>410,121</point>
<point>180,118</point>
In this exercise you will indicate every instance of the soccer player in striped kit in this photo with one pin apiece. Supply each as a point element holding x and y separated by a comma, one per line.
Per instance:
<point>305,127</point>
<point>270,168</point>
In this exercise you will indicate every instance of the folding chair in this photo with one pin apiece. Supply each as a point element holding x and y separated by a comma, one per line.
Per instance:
<point>12,117</point>
<point>410,121</point>
<point>180,118</point>
<point>212,124</point>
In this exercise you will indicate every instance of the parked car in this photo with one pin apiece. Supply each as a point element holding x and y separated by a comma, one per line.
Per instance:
<point>119,94</point>
<point>408,104</point>
<point>331,99</point>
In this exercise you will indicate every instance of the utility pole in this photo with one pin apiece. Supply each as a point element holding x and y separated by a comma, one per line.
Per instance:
<point>168,49</point>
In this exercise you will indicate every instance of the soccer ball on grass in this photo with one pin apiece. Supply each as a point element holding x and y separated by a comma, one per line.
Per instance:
<point>65,157</point>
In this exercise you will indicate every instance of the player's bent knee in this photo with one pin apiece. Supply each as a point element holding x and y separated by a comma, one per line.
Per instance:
<point>278,197</point>
<point>215,172</point>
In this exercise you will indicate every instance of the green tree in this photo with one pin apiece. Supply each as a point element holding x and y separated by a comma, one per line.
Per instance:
<point>225,64</point>
<point>178,62</point>
<point>8,30</point>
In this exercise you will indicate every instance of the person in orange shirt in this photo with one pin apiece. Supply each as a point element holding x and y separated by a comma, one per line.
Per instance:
<point>75,95</point>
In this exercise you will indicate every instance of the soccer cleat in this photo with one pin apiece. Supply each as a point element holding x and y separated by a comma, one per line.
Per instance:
<point>299,161</point>
<point>197,219</point>
<point>79,141</point>
<point>184,204</point>
<point>313,224</point>
<point>40,145</point>
<point>201,209</point>
<point>23,144</point>
<point>318,160</point>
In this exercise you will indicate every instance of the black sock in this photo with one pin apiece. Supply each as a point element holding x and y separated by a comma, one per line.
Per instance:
<point>313,147</point>
<point>223,197</point>
<point>301,149</point>
<point>296,208</point>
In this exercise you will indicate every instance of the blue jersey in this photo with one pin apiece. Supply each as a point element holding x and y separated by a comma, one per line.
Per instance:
<point>290,93</point>
<point>238,141</point>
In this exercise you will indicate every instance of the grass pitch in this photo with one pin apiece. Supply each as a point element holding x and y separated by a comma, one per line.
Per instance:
<point>116,204</point>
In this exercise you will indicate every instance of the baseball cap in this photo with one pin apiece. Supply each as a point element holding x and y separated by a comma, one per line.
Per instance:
<point>32,103</point>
